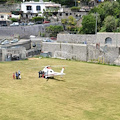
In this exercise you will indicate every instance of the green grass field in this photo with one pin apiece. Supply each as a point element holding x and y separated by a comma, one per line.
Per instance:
<point>87,91</point>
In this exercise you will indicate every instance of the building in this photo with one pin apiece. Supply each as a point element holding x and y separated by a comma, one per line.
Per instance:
<point>4,19</point>
<point>31,9</point>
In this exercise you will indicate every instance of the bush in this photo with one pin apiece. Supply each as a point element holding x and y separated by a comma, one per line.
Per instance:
<point>37,19</point>
<point>75,9</point>
<point>13,19</point>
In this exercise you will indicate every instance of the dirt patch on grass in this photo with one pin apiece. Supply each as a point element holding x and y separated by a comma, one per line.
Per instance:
<point>33,58</point>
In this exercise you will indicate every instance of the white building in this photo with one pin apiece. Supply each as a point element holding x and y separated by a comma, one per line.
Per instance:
<point>39,7</point>
<point>4,18</point>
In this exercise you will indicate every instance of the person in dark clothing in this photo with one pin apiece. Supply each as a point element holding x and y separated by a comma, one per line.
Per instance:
<point>40,73</point>
<point>16,74</point>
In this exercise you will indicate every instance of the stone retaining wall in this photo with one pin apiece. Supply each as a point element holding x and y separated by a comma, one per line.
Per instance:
<point>82,52</point>
<point>90,39</point>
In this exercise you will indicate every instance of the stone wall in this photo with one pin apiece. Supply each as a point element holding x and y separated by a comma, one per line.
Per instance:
<point>24,31</point>
<point>22,43</point>
<point>75,38</point>
<point>66,50</point>
<point>99,38</point>
<point>9,7</point>
<point>0,54</point>
<point>9,53</point>
<point>105,54</point>
<point>82,52</point>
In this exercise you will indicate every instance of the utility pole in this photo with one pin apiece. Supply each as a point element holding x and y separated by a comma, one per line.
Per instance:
<point>96,27</point>
<point>75,3</point>
<point>96,23</point>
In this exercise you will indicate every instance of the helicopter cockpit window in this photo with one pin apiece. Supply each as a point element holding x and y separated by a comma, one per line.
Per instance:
<point>50,71</point>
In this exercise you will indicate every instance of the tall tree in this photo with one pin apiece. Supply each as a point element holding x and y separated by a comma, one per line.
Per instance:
<point>110,24</point>
<point>88,24</point>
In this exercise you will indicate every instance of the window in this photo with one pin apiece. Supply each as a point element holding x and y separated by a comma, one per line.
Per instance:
<point>29,7</point>
<point>38,8</point>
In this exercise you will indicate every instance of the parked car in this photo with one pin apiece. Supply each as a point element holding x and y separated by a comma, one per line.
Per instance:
<point>2,40</point>
<point>4,24</point>
<point>15,24</point>
<point>38,22</point>
<point>14,41</point>
<point>53,38</point>
<point>23,24</point>
<point>5,42</point>
<point>46,22</point>
<point>48,40</point>
<point>30,23</point>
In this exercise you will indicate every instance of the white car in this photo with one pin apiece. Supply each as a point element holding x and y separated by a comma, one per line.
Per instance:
<point>5,42</point>
<point>30,23</point>
<point>14,24</point>
<point>14,41</point>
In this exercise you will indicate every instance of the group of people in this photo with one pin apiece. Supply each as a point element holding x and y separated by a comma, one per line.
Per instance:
<point>17,75</point>
<point>41,74</point>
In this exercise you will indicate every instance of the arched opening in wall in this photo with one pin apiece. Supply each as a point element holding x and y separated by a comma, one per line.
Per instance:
<point>76,15</point>
<point>108,40</point>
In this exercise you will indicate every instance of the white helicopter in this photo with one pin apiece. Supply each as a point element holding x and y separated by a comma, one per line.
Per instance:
<point>49,73</point>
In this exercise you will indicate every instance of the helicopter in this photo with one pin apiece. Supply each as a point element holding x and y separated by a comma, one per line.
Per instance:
<point>49,73</point>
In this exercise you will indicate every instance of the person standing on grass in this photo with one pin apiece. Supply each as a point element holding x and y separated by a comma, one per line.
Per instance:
<point>16,74</point>
<point>13,75</point>
<point>19,76</point>
<point>39,73</point>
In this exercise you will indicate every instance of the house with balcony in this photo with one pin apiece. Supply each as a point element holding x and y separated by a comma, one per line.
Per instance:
<point>32,9</point>
<point>4,19</point>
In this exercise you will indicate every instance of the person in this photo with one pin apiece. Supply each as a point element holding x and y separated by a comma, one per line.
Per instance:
<point>16,74</point>
<point>19,76</point>
<point>13,75</point>
<point>40,72</point>
<point>43,74</point>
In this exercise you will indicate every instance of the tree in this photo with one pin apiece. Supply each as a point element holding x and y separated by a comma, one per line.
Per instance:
<point>64,22</point>
<point>106,9</point>
<point>110,23</point>
<point>54,30</point>
<point>71,20</point>
<point>88,24</point>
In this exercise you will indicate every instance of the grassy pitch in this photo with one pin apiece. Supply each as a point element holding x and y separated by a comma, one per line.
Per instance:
<point>86,92</point>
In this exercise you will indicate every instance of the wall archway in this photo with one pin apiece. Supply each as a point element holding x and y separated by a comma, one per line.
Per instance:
<point>108,40</point>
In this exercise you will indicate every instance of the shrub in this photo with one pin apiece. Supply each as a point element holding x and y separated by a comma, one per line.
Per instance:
<point>13,19</point>
<point>75,9</point>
